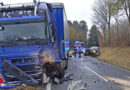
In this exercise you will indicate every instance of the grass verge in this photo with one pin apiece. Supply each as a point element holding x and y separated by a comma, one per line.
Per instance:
<point>119,56</point>
<point>27,88</point>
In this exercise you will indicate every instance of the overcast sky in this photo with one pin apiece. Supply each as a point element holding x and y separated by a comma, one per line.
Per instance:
<point>75,9</point>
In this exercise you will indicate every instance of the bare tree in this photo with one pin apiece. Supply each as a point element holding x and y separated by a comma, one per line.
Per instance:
<point>126,5</point>
<point>102,15</point>
<point>117,13</point>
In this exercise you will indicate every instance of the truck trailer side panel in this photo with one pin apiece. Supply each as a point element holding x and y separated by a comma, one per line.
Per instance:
<point>58,12</point>
<point>62,29</point>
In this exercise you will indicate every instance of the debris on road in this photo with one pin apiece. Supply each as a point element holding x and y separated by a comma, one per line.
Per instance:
<point>94,81</point>
<point>67,76</point>
<point>83,79</point>
<point>77,85</point>
<point>56,81</point>
<point>45,78</point>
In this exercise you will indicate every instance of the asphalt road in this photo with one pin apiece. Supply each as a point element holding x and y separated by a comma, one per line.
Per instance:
<point>91,74</point>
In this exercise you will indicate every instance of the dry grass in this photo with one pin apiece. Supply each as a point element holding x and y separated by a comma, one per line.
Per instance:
<point>27,88</point>
<point>119,56</point>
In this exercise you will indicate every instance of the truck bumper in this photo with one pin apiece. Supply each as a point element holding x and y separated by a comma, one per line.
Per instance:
<point>6,86</point>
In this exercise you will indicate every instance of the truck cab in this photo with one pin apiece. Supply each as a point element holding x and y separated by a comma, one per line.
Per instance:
<point>27,31</point>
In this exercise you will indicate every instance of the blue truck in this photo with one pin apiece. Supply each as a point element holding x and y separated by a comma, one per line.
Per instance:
<point>31,33</point>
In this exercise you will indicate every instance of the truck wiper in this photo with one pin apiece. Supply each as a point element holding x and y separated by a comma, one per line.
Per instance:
<point>12,43</point>
<point>39,41</point>
<point>7,43</point>
<point>3,44</point>
<point>23,42</point>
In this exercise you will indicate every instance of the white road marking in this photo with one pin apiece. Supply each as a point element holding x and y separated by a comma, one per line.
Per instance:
<point>96,73</point>
<point>93,72</point>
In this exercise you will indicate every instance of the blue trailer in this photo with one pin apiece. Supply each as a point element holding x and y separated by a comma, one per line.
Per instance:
<point>27,31</point>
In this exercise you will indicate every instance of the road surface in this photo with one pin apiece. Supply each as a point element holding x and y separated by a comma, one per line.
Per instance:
<point>91,74</point>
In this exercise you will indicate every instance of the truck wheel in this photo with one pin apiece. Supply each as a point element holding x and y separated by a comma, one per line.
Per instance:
<point>61,71</point>
<point>66,66</point>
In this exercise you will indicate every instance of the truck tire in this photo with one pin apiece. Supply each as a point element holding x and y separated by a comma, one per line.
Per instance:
<point>61,71</point>
<point>66,66</point>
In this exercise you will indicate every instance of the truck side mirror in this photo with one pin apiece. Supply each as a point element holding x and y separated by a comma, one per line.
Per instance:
<point>52,39</point>
<point>2,28</point>
<point>53,30</point>
<point>53,33</point>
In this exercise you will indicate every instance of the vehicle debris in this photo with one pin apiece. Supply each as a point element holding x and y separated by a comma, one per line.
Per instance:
<point>56,81</point>
<point>77,85</point>
<point>45,78</point>
<point>52,70</point>
<point>95,81</point>
<point>67,76</point>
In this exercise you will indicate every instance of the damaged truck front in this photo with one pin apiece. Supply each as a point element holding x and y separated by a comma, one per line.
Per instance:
<point>34,40</point>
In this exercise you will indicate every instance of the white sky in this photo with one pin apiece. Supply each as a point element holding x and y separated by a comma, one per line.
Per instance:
<point>75,9</point>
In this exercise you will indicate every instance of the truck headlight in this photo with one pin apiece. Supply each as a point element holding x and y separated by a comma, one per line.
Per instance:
<point>94,51</point>
<point>2,85</point>
<point>37,67</point>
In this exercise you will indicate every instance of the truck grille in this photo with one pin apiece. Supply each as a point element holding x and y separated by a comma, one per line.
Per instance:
<point>14,61</point>
<point>21,60</point>
<point>27,60</point>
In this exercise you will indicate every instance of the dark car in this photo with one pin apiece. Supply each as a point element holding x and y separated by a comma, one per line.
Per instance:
<point>87,52</point>
<point>93,51</point>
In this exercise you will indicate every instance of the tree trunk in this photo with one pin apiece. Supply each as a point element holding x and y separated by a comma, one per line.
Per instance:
<point>109,36</point>
<point>118,36</point>
<point>129,9</point>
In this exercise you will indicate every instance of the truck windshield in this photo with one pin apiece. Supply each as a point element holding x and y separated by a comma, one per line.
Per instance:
<point>23,32</point>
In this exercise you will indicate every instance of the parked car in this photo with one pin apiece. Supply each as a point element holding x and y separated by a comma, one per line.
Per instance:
<point>95,51</point>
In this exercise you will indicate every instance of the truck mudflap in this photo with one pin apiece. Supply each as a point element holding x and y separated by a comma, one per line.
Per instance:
<point>18,73</point>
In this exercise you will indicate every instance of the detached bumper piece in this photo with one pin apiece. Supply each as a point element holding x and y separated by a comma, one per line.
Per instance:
<point>18,73</point>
